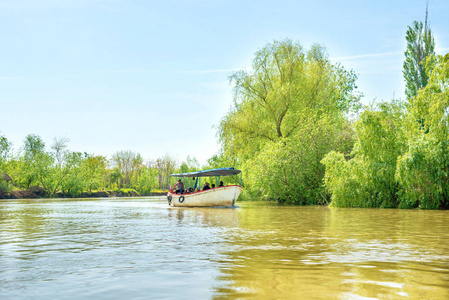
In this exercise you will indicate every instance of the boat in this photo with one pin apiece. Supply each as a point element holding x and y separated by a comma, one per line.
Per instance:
<point>225,195</point>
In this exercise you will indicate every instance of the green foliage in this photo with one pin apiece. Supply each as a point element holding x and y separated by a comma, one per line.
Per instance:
<point>165,166</point>
<point>61,172</point>
<point>287,114</point>
<point>114,175</point>
<point>423,170</point>
<point>147,181</point>
<point>222,160</point>
<point>5,156</point>
<point>3,186</point>
<point>420,46</point>
<point>127,190</point>
<point>94,168</point>
<point>129,164</point>
<point>5,151</point>
<point>367,180</point>
<point>401,157</point>
<point>33,151</point>
<point>73,174</point>
<point>286,83</point>
<point>290,171</point>
<point>190,165</point>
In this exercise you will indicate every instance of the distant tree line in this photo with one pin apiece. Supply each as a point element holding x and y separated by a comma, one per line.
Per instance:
<point>61,172</point>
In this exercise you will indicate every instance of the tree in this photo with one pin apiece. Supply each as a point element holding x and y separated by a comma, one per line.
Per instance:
<point>69,175</point>
<point>287,114</point>
<point>368,179</point>
<point>190,165</point>
<point>33,159</point>
<point>165,166</point>
<point>286,84</point>
<point>33,146</point>
<point>423,170</point>
<point>115,176</point>
<point>59,145</point>
<point>128,163</point>
<point>420,46</point>
<point>53,171</point>
<point>73,174</point>
<point>5,153</point>
<point>221,160</point>
<point>94,168</point>
<point>291,172</point>
<point>401,156</point>
<point>147,180</point>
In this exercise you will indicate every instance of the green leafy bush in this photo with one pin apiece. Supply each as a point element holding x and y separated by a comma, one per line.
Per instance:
<point>367,180</point>
<point>401,156</point>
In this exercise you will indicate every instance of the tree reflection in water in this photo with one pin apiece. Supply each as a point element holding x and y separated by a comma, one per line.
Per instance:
<point>318,252</point>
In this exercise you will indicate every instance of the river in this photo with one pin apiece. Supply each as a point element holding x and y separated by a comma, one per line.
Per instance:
<point>140,248</point>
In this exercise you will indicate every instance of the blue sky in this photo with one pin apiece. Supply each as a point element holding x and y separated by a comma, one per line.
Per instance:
<point>152,76</point>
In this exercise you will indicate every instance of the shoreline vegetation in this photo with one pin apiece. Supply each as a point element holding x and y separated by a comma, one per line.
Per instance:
<point>297,130</point>
<point>35,172</point>
<point>37,192</point>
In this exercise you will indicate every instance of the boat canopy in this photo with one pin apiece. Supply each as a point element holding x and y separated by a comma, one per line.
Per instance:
<point>210,173</point>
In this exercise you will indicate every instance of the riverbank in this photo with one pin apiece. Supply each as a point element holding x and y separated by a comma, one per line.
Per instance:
<point>38,192</point>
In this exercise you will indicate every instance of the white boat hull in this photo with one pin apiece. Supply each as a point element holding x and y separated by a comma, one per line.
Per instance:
<point>220,196</point>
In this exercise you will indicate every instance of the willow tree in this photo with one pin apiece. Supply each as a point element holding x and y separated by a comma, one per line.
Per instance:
<point>401,156</point>
<point>285,86</point>
<point>284,116</point>
<point>368,179</point>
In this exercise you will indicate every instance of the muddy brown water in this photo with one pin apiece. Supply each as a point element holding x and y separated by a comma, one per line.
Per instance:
<point>140,248</point>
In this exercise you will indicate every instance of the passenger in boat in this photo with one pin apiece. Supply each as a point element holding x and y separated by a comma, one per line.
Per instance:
<point>221,183</point>
<point>213,185</point>
<point>206,186</point>
<point>179,187</point>
<point>190,190</point>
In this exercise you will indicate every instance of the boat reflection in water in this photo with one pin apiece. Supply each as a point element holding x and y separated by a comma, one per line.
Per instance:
<point>226,217</point>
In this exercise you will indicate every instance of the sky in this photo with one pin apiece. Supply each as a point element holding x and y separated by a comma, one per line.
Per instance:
<point>152,76</point>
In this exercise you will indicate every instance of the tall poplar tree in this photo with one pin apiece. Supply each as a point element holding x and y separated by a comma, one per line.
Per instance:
<point>420,45</point>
